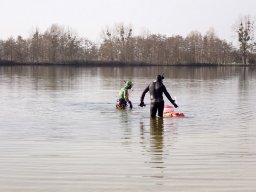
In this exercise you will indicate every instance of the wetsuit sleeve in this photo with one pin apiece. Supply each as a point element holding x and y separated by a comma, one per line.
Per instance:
<point>126,95</point>
<point>168,95</point>
<point>144,93</point>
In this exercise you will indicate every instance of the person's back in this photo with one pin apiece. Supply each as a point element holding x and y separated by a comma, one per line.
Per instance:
<point>156,90</point>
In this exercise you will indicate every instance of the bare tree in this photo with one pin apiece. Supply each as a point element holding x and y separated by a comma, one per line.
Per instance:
<point>35,49</point>
<point>21,50</point>
<point>245,33</point>
<point>9,46</point>
<point>1,50</point>
<point>117,44</point>
<point>57,45</point>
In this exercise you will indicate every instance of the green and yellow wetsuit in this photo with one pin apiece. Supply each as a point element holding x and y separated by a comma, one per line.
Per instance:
<point>124,96</point>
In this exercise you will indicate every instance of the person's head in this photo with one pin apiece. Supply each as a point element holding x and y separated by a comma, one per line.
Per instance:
<point>128,84</point>
<point>159,78</point>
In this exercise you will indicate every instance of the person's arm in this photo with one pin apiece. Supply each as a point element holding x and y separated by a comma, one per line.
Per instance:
<point>169,97</point>
<point>142,104</point>
<point>126,97</point>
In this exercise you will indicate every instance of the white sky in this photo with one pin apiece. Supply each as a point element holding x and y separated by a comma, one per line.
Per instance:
<point>89,17</point>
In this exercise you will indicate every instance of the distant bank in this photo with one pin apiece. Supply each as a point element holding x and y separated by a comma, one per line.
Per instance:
<point>116,64</point>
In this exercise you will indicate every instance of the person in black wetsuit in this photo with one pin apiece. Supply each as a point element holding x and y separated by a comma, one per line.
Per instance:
<point>156,90</point>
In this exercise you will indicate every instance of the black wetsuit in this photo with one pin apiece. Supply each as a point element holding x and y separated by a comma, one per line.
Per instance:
<point>156,90</point>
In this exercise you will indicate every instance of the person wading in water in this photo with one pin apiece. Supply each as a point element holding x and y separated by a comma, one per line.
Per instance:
<point>156,90</point>
<point>124,96</point>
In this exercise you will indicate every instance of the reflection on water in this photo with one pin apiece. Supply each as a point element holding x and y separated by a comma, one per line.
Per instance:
<point>156,146</point>
<point>60,131</point>
<point>55,73</point>
<point>156,132</point>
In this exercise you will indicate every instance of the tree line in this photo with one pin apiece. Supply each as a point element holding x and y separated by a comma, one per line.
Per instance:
<point>58,45</point>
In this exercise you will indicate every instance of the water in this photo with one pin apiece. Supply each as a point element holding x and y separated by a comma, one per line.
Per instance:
<point>60,131</point>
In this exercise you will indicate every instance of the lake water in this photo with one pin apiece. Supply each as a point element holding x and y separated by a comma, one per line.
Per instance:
<point>60,131</point>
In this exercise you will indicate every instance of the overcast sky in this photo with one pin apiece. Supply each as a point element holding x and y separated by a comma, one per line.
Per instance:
<point>88,17</point>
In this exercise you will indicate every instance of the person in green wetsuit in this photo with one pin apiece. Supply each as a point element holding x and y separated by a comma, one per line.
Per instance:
<point>124,96</point>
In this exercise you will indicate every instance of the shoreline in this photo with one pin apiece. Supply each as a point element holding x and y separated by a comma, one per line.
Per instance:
<point>119,64</point>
